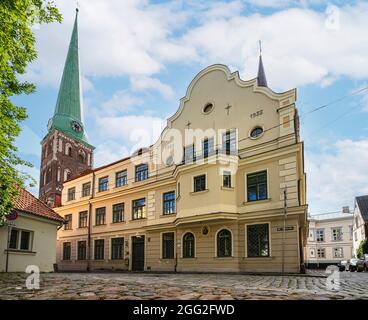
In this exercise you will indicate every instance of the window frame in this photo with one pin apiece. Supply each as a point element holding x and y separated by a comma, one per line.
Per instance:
<point>163,246</point>
<point>320,250</point>
<point>121,214</point>
<point>68,222</point>
<point>71,194</point>
<point>258,172</point>
<point>84,218</point>
<point>103,186</point>
<point>141,175</point>
<point>95,251</point>
<point>164,202</point>
<point>122,253</point>
<point>227,174</point>
<point>97,215</point>
<point>184,256</point>
<point>269,240</point>
<point>121,181</point>
<point>144,210</point>
<point>84,194</point>
<point>78,250</point>
<point>323,233</point>
<point>69,257</point>
<point>217,239</point>
<point>339,234</point>
<point>18,240</point>
<point>205,182</point>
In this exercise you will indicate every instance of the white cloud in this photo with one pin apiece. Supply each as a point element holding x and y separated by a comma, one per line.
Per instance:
<point>147,83</point>
<point>335,178</point>
<point>134,131</point>
<point>121,102</point>
<point>28,142</point>
<point>109,151</point>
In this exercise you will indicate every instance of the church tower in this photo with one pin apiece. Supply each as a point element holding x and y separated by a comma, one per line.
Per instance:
<point>65,149</point>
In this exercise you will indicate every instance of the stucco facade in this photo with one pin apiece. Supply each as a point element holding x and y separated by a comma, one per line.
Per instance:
<point>204,203</point>
<point>330,239</point>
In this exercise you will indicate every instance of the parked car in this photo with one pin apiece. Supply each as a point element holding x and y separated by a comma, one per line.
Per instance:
<point>362,264</point>
<point>352,265</point>
<point>342,265</point>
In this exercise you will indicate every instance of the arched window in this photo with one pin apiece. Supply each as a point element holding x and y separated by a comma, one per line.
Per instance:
<point>68,149</point>
<point>81,156</point>
<point>188,245</point>
<point>224,243</point>
<point>48,175</point>
<point>67,174</point>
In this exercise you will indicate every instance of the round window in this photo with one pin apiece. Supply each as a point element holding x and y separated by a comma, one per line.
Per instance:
<point>208,108</point>
<point>256,132</point>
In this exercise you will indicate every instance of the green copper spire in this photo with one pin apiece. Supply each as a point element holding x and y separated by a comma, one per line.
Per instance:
<point>68,115</point>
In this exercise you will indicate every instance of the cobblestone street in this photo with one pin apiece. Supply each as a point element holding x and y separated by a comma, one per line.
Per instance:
<point>129,286</point>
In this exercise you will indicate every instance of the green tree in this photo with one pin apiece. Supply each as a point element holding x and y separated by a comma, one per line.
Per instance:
<point>17,49</point>
<point>362,249</point>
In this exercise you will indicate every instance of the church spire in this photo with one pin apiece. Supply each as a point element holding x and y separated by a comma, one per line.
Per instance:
<point>261,77</point>
<point>68,115</point>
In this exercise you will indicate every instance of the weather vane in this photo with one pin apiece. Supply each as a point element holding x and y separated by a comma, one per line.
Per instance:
<point>260,47</point>
<point>77,5</point>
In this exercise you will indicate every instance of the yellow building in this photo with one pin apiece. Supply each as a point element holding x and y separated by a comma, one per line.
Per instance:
<point>207,196</point>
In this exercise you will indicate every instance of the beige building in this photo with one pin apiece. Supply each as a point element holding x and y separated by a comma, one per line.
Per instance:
<point>29,236</point>
<point>212,203</point>
<point>330,239</point>
<point>360,221</point>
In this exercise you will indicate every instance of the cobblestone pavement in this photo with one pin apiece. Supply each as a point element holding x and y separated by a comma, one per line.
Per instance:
<point>132,286</point>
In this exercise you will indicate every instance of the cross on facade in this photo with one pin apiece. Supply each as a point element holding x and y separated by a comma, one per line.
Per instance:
<point>228,109</point>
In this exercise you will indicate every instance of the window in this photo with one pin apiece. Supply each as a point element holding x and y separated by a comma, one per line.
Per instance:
<point>168,245</point>
<point>208,108</point>
<point>256,132</point>
<point>68,222</point>
<point>338,253</point>
<point>139,209</point>
<point>71,194</point>
<point>83,219</point>
<point>100,216</point>
<point>321,253</point>
<point>99,249</point>
<point>141,172</point>
<point>25,239</point>
<point>189,154</point>
<point>257,186</point>
<point>118,212</point>
<point>208,147</point>
<point>337,234</point>
<point>351,232</point>
<point>67,250</point>
<point>320,234</point>
<point>86,189</point>
<point>117,248</point>
<point>188,245</point>
<point>82,250</point>
<point>20,240</point>
<point>200,183</point>
<point>103,184</point>
<point>226,179</point>
<point>258,240</point>
<point>121,178</point>
<point>224,243</point>
<point>356,236</point>
<point>169,206</point>
<point>229,142</point>
<point>13,243</point>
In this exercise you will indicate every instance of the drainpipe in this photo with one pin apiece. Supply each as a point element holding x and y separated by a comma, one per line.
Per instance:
<point>89,246</point>
<point>176,252</point>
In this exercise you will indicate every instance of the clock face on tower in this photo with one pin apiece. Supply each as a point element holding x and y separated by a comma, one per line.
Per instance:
<point>76,126</point>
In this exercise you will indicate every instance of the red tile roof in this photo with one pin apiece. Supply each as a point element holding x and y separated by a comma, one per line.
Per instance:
<point>28,203</point>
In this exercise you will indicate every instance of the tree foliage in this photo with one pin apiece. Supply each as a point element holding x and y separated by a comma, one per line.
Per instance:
<point>362,249</point>
<point>17,50</point>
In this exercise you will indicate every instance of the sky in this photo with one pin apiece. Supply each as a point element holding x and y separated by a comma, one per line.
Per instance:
<point>139,56</point>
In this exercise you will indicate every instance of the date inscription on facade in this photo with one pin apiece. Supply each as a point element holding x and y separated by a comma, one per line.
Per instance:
<point>256,114</point>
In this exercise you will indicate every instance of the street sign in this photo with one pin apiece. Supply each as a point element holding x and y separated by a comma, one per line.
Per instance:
<point>12,215</point>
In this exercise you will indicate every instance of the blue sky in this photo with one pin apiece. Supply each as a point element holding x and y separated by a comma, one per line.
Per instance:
<point>139,56</point>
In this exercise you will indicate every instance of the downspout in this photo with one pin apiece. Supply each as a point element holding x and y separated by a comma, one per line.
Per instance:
<point>89,241</point>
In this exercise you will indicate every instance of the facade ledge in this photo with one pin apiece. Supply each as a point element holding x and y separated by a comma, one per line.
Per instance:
<point>117,223</point>
<point>193,193</point>
<point>21,252</point>
<point>245,203</point>
<point>227,188</point>
<point>258,258</point>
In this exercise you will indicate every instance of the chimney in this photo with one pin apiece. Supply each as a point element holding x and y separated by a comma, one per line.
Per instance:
<point>346,209</point>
